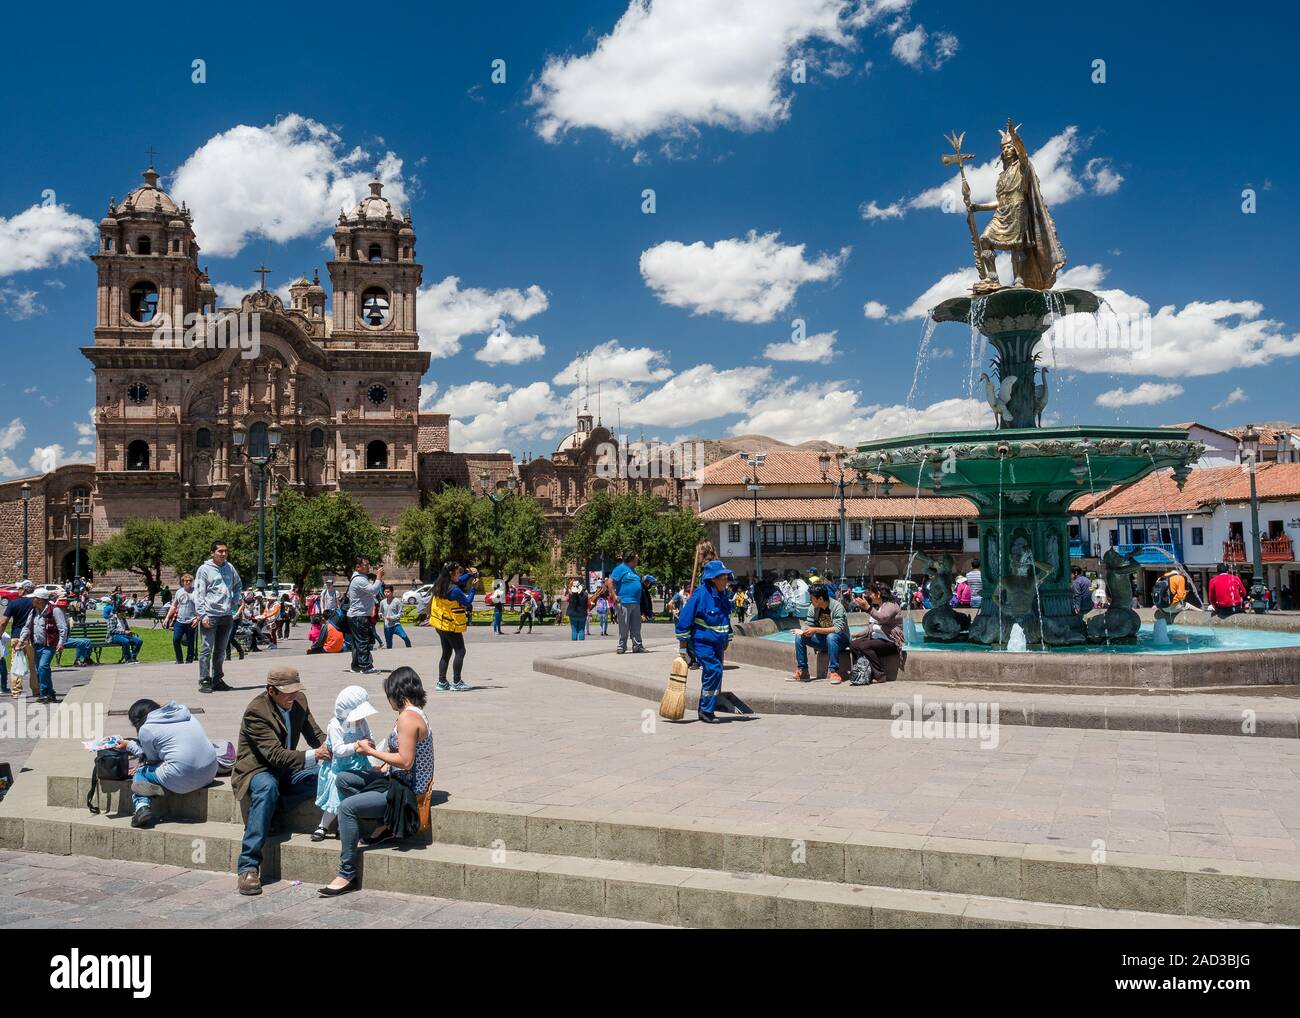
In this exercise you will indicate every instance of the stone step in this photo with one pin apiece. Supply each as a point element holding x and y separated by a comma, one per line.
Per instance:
<point>641,891</point>
<point>1210,888</point>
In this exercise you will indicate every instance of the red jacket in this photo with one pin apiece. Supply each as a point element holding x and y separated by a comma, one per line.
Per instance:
<point>1226,591</point>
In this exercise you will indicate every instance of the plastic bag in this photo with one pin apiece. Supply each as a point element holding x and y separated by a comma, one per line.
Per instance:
<point>20,666</point>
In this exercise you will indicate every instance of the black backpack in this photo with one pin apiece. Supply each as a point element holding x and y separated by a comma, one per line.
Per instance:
<point>1160,595</point>
<point>110,765</point>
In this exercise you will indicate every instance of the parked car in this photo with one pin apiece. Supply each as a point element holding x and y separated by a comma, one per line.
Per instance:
<point>419,596</point>
<point>518,592</point>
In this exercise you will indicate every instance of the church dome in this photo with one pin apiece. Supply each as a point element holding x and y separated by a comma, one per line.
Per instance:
<point>374,206</point>
<point>150,197</point>
<point>571,441</point>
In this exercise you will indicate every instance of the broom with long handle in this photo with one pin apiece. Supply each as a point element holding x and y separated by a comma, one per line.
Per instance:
<point>672,705</point>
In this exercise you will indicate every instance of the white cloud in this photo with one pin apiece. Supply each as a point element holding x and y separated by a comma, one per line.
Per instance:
<point>41,236</point>
<point>817,347</point>
<point>958,283</point>
<point>1237,395</point>
<point>496,420</point>
<point>428,393</point>
<point>445,313</point>
<point>86,431</point>
<point>1146,394</point>
<point>874,309</point>
<point>1102,176</point>
<point>747,280</point>
<point>919,49</point>
<point>701,393</point>
<point>468,399</point>
<point>503,348</point>
<point>611,361</point>
<point>675,65</point>
<point>1053,162</point>
<point>12,434</point>
<point>800,414</point>
<point>20,304</point>
<point>280,181</point>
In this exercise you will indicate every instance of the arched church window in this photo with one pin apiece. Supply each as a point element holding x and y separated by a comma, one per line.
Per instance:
<point>376,253</point>
<point>374,306</point>
<point>142,302</point>
<point>203,439</point>
<point>317,438</point>
<point>143,246</point>
<point>108,243</point>
<point>257,443</point>
<point>137,455</point>
<point>376,456</point>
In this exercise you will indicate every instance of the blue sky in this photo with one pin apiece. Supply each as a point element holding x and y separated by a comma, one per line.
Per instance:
<point>775,200</point>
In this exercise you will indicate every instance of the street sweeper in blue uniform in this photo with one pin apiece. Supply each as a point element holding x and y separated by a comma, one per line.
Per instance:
<point>704,627</point>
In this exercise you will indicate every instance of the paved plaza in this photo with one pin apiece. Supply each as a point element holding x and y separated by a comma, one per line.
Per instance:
<point>523,737</point>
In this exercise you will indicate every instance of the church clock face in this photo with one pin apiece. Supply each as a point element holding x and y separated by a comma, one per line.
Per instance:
<point>137,392</point>
<point>377,394</point>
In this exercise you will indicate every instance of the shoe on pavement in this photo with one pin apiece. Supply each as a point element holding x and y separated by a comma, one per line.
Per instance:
<point>443,685</point>
<point>709,718</point>
<point>219,686</point>
<point>459,686</point>
<point>143,818</point>
<point>205,687</point>
<point>319,834</point>
<point>639,650</point>
<point>250,882</point>
<point>334,892</point>
<point>371,671</point>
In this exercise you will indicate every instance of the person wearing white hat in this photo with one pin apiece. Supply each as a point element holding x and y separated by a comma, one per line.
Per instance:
<point>45,631</point>
<point>345,730</point>
<point>578,607</point>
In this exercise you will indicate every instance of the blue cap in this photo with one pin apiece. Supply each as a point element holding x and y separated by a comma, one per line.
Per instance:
<point>648,579</point>
<point>715,568</point>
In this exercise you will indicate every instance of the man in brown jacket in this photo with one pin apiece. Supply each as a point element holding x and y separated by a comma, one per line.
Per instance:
<point>269,770</point>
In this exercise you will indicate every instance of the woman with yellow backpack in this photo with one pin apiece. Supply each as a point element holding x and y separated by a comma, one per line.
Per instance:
<point>450,608</point>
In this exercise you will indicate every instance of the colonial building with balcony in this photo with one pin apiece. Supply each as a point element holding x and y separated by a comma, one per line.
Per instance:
<point>793,507</point>
<point>1205,524</point>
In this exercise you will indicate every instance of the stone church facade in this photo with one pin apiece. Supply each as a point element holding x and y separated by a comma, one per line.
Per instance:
<point>177,418</point>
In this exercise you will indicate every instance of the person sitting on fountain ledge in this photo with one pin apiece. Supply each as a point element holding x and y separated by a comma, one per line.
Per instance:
<point>827,631</point>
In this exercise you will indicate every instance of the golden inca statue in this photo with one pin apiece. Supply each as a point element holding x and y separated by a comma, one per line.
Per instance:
<point>1021,222</point>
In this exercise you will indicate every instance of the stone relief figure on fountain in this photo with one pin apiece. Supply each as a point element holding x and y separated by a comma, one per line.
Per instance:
<point>1021,223</point>
<point>941,622</point>
<point>1119,623</point>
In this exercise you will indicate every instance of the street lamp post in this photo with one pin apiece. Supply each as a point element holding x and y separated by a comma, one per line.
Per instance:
<point>27,497</point>
<point>260,456</point>
<point>76,523</point>
<point>1250,451</point>
<point>841,485</point>
<point>756,460</point>
<point>485,486</point>
<point>275,545</point>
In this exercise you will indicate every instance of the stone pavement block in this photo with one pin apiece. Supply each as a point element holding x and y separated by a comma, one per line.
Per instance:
<point>640,902</point>
<point>562,832</point>
<point>714,901</point>
<point>136,845</point>
<point>92,839</point>
<point>805,858</point>
<point>915,910</point>
<point>1064,875</point>
<point>415,873</point>
<point>199,849</point>
<point>53,837</point>
<point>624,839</point>
<point>1142,883</point>
<point>883,859</point>
<point>995,914</point>
<point>503,884</point>
<point>570,892</point>
<point>972,867</point>
<point>697,847</point>
<point>1238,894</point>
<point>310,864</point>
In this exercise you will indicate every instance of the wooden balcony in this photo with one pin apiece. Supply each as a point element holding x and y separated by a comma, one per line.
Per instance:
<point>1271,549</point>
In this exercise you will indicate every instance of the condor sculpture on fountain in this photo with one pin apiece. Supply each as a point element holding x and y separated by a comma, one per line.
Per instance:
<point>1023,477</point>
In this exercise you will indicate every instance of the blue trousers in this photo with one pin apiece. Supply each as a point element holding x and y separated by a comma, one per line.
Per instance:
<point>44,655</point>
<point>831,643</point>
<point>266,791</point>
<point>130,645</point>
<point>149,773</point>
<point>391,631</point>
<point>709,655</point>
<point>496,619</point>
<point>578,628</point>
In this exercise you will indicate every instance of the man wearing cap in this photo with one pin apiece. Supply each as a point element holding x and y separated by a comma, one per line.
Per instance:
<point>270,770</point>
<point>15,618</point>
<point>704,627</point>
<point>44,631</point>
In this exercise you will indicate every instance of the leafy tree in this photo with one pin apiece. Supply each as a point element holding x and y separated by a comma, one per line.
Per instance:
<point>413,539</point>
<point>669,553</point>
<point>189,543</point>
<point>590,537</point>
<point>140,548</point>
<point>452,530</point>
<point>521,542</point>
<point>323,534</point>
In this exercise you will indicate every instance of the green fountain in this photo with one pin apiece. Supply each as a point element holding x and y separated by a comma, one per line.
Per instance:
<point>1023,477</point>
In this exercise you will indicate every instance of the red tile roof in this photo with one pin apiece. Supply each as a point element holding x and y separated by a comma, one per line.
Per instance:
<point>1157,493</point>
<point>809,509</point>
<point>782,466</point>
